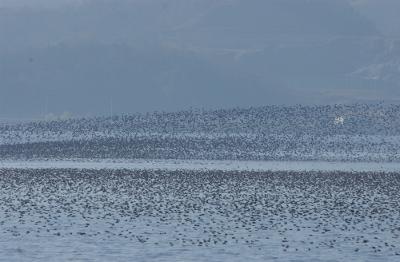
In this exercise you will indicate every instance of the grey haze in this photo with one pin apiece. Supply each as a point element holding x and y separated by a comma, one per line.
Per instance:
<point>91,57</point>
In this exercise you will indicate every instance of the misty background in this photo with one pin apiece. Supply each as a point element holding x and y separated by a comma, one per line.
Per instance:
<point>72,57</point>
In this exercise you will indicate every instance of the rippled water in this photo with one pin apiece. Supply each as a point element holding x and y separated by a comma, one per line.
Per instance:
<point>203,165</point>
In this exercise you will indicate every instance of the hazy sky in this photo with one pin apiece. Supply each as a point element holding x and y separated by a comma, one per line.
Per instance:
<point>37,3</point>
<point>142,55</point>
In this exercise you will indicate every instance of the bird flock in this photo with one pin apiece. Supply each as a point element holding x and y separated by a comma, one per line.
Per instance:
<point>360,132</point>
<point>102,215</point>
<point>195,215</point>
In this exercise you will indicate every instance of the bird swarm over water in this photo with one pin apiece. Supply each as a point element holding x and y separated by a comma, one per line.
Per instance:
<point>283,214</point>
<point>225,216</point>
<point>360,132</point>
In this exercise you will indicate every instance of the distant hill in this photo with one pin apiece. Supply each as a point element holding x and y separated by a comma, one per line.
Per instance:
<point>171,55</point>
